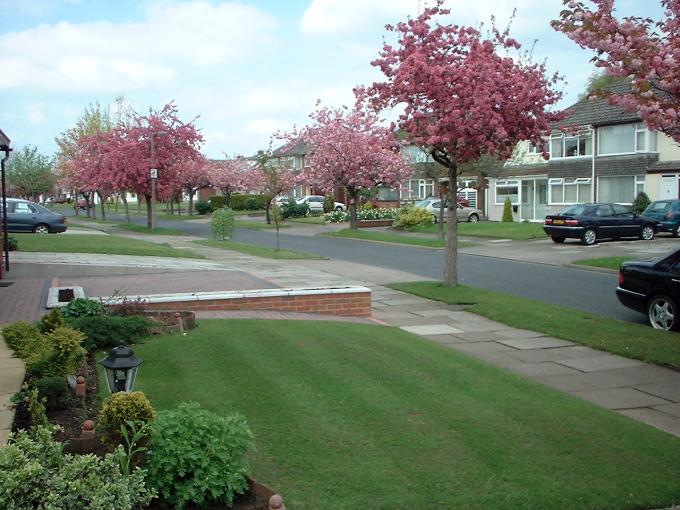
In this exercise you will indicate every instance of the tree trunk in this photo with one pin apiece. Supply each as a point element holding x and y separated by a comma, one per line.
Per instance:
<point>353,220</point>
<point>102,203</point>
<point>139,205</point>
<point>126,208</point>
<point>148,209</point>
<point>172,205</point>
<point>440,230</point>
<point>92,205</point>
<point>191,201</point>
<point>481,189</point>
<point>268,211</point>
<point>451,260</point>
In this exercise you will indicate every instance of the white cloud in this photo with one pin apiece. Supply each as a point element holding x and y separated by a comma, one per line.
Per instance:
<point>105,56</point>
<point>35,113</point>
<point>324,17</point>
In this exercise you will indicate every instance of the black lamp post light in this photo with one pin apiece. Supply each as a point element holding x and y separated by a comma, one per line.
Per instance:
<point>121,369</point>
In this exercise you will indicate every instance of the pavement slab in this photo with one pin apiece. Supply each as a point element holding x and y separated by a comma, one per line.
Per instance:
<point>555,354</point>
<point>669,390</point>
<point>620,398</point>
<point>542,342</point>
<point>568,383</point>
<point>431,329</point>
<point>475,347</point>
<point>654,418</point>
<point>672,409</point>
<point>520,333</point>
<point>600,363</point>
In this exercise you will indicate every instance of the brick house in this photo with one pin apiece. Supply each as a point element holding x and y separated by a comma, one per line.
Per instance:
<point>598,153</point>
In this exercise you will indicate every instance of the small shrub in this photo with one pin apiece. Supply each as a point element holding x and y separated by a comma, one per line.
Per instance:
<point>239,201</point>
<point>63,355</point>
<point>24,339</point>
<point>12,244</point>
<point>294,210</point>
<point>217,202</point>
<point>507,211</point>
<point>641,202</point>
<point>54,390</point>
<point>129,307</point>
<point>222,224</point>
<point>202,208</point>
<point>35,473</point>
<point>367,206</point>
<point>410,217</point>
<point>51,321</point>
<point>80,307</point>
<point>110,330</point>
<point>328,203</point>
<point>119,409</point>
<point>197,456</point>
<point>30,399</point>
<point>336,217</point>
<point>250,204</point>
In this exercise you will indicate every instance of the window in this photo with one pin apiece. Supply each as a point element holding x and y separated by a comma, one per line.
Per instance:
<point>417,189</point>
<point>414,154</point>
<point>569,191</point>
<point>622,210</point>
<point>571,146</point>
<point>505,190</point>
<point>602,211</point>
<point>659,207</point>
<point>538,149</point>
<point>23,208</point>
<point>388,194</point>
<point>626,138</point>
<point>620,189</point>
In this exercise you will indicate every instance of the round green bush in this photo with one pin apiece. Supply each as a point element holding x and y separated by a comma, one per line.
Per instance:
<point>80,307</point>
<point>118,410</point>
<point>507,211</point>
<point>199,457</point>
<point>55,390</point>
<point>409,217</point>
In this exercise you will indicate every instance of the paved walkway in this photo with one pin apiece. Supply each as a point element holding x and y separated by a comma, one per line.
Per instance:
<point>644,392</point>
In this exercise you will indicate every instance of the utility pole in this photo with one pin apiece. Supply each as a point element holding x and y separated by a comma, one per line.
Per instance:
<point>154,177</point>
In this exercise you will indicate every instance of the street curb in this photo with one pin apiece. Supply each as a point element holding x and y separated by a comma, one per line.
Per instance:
<point>592,268</point>
<point>382,242</point>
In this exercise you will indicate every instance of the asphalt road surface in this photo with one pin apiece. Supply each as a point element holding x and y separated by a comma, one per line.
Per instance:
<point>576,288</point>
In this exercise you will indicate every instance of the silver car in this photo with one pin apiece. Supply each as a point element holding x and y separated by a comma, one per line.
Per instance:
<point>315,203</point>
<point>432,205</point>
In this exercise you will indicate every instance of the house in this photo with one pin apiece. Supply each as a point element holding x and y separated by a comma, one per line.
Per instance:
<point>295,157</point>
<point>598,153</point>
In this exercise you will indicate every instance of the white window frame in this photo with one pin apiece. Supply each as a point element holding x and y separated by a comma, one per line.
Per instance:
<point>638,128</point>
<point>638,185</point>
<point>563,136</point>
<point>507,183</point>
<point>575,182</point>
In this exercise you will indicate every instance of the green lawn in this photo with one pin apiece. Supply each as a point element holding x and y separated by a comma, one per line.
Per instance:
<point>315,220</point>
<point>256,224</point>
<point>112,245</point>
<point>389,237</point>
<point>350,416</point>
<point>259,251</point>
<point>495,229</point>
<point>143,229</point>
<point>606,262</point>
<point>618,337</point>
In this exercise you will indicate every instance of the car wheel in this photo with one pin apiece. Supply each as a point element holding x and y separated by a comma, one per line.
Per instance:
<point>589,237</point>
<point>647,233</point>
<point>662,313</point>
<point>676,231</point>
<point>473,218</point>
<point>338,209</point>
<point>558,240</point>
<point>435,219</point>
<point>41,228</point>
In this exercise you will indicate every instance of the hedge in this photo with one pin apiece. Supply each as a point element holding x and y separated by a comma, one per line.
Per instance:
<point>239,202</point>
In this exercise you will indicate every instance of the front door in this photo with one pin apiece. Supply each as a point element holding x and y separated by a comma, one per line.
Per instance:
<point>534,205</point>
<point>669,187</point>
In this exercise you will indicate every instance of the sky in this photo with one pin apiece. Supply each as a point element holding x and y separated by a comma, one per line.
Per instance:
<point>242,69</point>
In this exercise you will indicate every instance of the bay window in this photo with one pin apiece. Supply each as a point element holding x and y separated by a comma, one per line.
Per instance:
<point>569,191</point>
<point>571,146</point>
<point>626,139</point>
<point>507,189</point>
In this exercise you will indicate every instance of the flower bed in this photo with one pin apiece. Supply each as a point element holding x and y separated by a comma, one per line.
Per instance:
<point>362,215</point>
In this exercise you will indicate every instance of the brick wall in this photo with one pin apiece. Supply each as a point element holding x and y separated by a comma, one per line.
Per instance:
<point>356,304</point>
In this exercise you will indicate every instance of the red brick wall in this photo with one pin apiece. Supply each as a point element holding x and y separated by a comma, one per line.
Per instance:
<point>356,304</point>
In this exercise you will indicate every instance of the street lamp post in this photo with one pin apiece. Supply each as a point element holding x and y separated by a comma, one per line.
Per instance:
<point>153,174</point>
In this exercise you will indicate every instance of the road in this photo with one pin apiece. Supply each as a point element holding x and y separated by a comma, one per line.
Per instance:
<point>576,288</point>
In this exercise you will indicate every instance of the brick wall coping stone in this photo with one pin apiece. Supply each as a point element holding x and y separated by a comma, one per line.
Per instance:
<point>243,294</point>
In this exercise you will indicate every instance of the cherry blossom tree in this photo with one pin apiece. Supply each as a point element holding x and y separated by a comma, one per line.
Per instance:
<point>646,51</point>
<point>461,95</point>
<point>351,149</point>
<point>230,176</point>
<point>270,177</point>
<point>192,176</point>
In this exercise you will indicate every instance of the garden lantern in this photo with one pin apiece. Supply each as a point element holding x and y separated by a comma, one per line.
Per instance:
<point>121,368</point>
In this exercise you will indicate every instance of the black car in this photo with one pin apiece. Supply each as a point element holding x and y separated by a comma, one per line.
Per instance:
<point>590,222</point>
<point>652,287</point>
<point>25,216</point>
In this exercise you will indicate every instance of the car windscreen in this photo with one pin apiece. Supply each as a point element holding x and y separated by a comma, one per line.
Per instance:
<point>422,203</point>
<point>575,210</point>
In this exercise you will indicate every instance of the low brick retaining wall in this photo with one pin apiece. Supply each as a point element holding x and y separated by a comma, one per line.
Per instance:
<point>350,301</point>
<point>375,223</point>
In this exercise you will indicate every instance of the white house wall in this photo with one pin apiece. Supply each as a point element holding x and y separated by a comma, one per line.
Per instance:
<point>668,149</point>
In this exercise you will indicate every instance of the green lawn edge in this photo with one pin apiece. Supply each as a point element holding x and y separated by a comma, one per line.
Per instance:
<point>613,263</point>
<point>260,251</point>
<point>387,237</point>
<point>493,229</point>
<point>143,229</point>
<point>627,339</point>
<point>97,243</point>
<point>363,416</point>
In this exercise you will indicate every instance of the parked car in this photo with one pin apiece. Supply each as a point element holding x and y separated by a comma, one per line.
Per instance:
<point>590,222</point>
<point>281,200</point>
<point>25,216</point>
<point>652,287</point>
<point>667,212</point>
<point>464,213</point>
<point>315,203</point>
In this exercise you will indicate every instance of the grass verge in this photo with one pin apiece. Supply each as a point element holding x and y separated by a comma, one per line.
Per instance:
<point>618,337</point>
<point>112,245</point>
<point>361,416</point>
<point>605,262</point>
<point>259,251</point>
<point>494,229</point>
<point>256,224</point>
<point>389,237</point>
<point>314,220</point>
<point>143,229</point>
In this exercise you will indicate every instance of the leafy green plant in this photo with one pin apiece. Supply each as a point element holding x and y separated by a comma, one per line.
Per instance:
<point>63,356</point>
<point>24,339</point>
<point>244,201</point>
<point>250,204</point>
<point>54,390</point>
<point>134,436</point>
<point>222,224</point>
<point>217,202</point>
<point>294,210</point>
<point>30,398</point>
<point>12,244</point>
<point>641,202</point>
<point>50,321</point>
<point>35,473</point>
<point>129,307</point>
<point>410,217</point>
<point>197,456</point>
<point>328,203</point>
<point>202,208</point>
<point>110,330</point>
<point>507,211</point>
<point>119,409</point>
<point>80,307</point>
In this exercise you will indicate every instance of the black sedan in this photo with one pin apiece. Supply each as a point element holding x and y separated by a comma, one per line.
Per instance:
<point>590,222</point>
<point>653,287</point>
<point>25,216</point>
